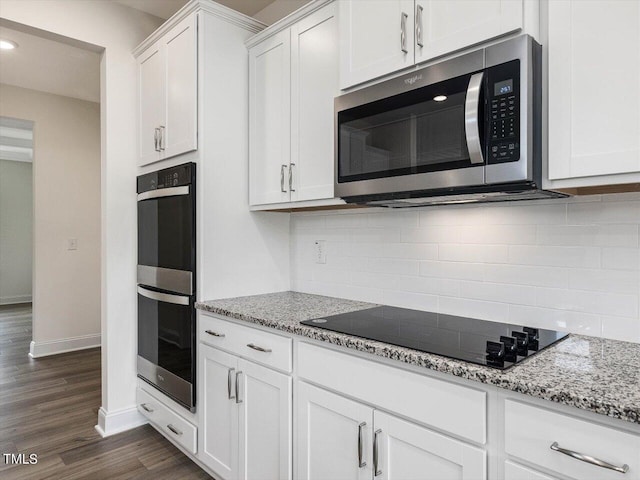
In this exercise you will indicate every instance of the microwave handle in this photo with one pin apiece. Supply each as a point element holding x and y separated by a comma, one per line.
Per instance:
<point>471,123</point>
<point>163,297</point>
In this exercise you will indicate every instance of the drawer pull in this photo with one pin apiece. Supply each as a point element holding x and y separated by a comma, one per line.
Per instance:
<point>589,459</point>
<point>238,399</point>
<point>145,408</point>
<point>229,375</point>
<point>214,334</point>
<point>258,348</point>
<point>174,429</point>
<point>376,454</point>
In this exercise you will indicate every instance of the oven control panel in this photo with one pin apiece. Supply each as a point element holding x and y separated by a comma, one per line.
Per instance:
<point>167,178</point>
<point>503,112</point>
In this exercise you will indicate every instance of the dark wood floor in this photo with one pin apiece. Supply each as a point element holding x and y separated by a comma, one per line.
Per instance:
<point>49,407</point>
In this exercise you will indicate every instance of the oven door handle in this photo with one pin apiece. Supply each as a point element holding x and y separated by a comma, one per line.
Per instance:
<point>471,123</point>
<point>163,297</point>
<point>164,192</point>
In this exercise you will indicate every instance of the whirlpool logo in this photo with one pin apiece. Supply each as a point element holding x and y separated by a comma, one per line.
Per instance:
<point>412,80</point>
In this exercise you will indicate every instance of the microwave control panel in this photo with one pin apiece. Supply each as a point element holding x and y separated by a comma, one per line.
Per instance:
<point>503,111</point>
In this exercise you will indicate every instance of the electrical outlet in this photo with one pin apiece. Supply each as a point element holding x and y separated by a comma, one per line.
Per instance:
<point>72,244</point>
<point>320,251</point>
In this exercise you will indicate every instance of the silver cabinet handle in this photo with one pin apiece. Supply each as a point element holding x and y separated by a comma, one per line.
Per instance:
<point>376,459</point>
<point>229,376</point>
<point>238,399</point>
<point>146,408</point>
<point>403,32</point>
<point>156,132</point>
<point>215,334</point>
<point>361,464</point>
<point>589,459</point>
<point>419,41</point>
<point>163,297</point>
<point>174,429</point>
<point>162,138</point>
<point>282,167</point>
<point>291,165</point>
<point>258,348</point>
<point>471,124</point>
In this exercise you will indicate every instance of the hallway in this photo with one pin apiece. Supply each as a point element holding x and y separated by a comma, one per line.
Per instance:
<point>49,407</point>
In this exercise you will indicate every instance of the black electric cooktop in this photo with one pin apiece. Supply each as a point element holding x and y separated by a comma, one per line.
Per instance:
<point>493,344</point>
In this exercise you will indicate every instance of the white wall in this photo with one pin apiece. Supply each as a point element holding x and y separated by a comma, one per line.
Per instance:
<point>66,179</point>
<point>118,30</point>
<point>278,9</point>
<point>571,265</point>
<point>16,203</point>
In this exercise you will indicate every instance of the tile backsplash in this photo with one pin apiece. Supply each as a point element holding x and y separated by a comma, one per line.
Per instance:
<point>568,264</point>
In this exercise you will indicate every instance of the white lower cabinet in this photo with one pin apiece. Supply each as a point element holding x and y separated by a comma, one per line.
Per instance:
<point>513,471</point>
<point>340,438</point>
<point>245,413</point>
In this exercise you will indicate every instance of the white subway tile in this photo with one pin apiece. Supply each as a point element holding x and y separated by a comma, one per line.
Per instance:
<point>582,257</point>
<point>496,234</point>
<point>621,328</point>
<point>590,302</point>
<point>346,221</point>
<point>473,253</point>
<point>599,280</point>
<point>454,270</point>
<point>498,292</point>
<point>410,251</point>
<point>432,234</point>
<point>451,215</point>
<point>376,235</point>
<point>326,274</point>
<point>562,320</point>
<point>393,219</point>
<point>300,222</point>
<point>415,301</point>
<point>526,275</point>
<point>526,214</point>
<point>603,212</point>
<point>428,285</point>
<point>621,258</point>
<point>373,279</point>
<point>588,235</point>
<point>497,312</point>
<point>394,265</point>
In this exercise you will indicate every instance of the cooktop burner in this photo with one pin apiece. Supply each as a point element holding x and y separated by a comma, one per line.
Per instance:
<point>493,344</point>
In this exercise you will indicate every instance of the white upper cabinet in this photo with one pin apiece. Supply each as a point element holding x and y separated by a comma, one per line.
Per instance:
<point>376,38</point>
<point>293,79</point>
<point>167,94</point>
<point>314,84</point>
<point>443,27</point>
<point>379,37</point>
<point>270,119</point>
<point>594,91</point>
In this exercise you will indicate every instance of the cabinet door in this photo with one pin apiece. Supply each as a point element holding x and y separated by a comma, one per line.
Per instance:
<point>270,119</point>
<point>406,451</point>
<point>179,134</point>
<point>314,84</point>
<point>219,411</point>
<point>513,471</point>
<point>265,423</point>
<point>376,38</point>
<point>594,88</point>
<point>331,429</point>
<point>444,27</point>
<point>151,94</point>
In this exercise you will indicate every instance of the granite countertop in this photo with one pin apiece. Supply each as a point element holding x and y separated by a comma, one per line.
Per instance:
<point>590,373</point>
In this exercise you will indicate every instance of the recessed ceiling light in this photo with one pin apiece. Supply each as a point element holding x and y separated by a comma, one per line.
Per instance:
<point>440,98</point>
<point>7,45</point>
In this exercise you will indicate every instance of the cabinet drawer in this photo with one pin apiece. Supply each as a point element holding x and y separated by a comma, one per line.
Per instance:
<point>172,424</point>
<point>446,406</point>
<point>530,431</point>
<point>269,349</point>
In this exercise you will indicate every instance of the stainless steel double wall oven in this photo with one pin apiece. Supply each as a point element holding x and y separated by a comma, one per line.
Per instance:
<point>167,281</point>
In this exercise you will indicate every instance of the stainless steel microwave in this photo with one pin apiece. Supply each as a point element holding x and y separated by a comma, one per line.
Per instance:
<point>462,130</point>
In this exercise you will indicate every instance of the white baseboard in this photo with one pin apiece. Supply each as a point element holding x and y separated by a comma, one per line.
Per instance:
<point>110,423</point>
<point>54,347</point>
<point>15,299</point>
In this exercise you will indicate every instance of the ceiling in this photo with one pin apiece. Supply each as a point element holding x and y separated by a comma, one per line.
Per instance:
<point>165,8</point>
<point>50,66</point>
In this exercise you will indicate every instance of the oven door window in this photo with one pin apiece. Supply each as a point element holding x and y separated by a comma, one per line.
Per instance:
<point>166,233</point>
<point>165,334</point>
<point>414,132</point>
